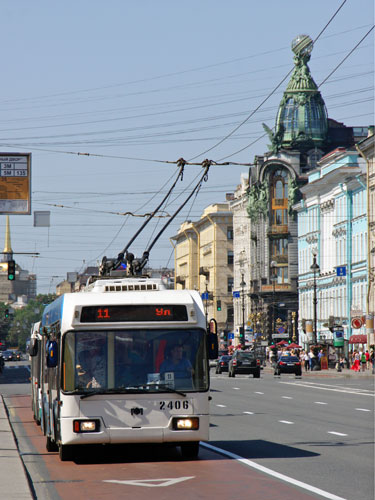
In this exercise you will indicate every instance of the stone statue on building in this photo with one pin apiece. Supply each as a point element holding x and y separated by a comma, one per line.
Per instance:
<point>293,194</point>
<point>258,200</point>
<point>253,202</point>
<point>276,139</point>
<point>264,195</point>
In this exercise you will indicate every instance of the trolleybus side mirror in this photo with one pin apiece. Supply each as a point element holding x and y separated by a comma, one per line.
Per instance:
<point>212,346</point>
<point>33,348</point>
<point>52,358</point>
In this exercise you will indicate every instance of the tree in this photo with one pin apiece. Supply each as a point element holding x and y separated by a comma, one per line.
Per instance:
<point>21,322</point>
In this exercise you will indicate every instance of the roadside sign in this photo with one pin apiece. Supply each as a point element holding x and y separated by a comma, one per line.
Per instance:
<point>280,335</point>
<point>341,271</point>
<point>281,329</point>
<point>236,295</point>
<point>231,336</point>
<point>15,183</point>
<point>205,296</point>
<point>356,323</point>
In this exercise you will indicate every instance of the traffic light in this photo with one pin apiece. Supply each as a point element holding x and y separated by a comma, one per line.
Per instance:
<point>242,335</point>
<point>218,305</point>
<point>6,314</point>
<point>289,341</point>
<point>11,270</point>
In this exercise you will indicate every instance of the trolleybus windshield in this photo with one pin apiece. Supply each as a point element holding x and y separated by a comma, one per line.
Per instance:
<point>135,359</point>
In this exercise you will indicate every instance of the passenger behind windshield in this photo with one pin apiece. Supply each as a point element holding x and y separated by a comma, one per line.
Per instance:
<point>91,372</point>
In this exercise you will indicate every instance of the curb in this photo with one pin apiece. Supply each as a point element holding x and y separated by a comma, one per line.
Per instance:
<point>14,484</point>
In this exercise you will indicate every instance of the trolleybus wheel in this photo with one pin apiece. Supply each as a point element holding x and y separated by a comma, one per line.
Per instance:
<point>65,452</point>
<point>190,450</point>
<point>51,445</point>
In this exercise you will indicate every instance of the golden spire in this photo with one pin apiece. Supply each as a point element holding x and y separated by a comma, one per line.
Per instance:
<point>8,246</point>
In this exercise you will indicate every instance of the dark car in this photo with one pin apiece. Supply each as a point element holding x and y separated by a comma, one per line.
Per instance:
<point>222,363</point>
<point>244,362</point>
<point>288,364</point>
<point>17,356</point>
<point>8,355</point>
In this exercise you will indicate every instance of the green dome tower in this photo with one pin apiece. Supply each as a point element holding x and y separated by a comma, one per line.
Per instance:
<point>301,121</point>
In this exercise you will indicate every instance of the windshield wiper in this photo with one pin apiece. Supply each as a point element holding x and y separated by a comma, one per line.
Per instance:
<point>169,389</point>
<point>116,390</point>
<point>133,389</point>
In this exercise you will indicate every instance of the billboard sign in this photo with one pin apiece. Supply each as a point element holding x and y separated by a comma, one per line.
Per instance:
<point>15,183</point>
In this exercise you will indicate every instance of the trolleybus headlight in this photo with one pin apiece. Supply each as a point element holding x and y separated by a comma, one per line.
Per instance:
<point>86,425</point>
<point>184,424</point>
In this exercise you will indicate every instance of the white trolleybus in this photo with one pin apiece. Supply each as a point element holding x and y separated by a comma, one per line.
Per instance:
<point>124,361</point>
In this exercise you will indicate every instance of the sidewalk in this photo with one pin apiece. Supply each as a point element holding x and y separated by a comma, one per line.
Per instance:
<point>13,480</point>
<point>331,373</point>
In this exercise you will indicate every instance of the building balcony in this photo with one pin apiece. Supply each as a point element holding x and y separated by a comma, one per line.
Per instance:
<point>280,259</point>
<point>278,287</point>
<point>276,229</point>
<point>181,280</point>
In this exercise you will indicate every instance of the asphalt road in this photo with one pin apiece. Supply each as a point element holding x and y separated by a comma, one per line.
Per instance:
<point>319,431</point>
<point>316,430</point>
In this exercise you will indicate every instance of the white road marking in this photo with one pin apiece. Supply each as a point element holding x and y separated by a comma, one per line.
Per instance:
<point>221,406</point>
<point>286,397</point>
<point>150,483</point>
<point>249,412</point>
<point>286,422</point>
<point>320,403</point>
<point>359,392</point>
<point>343,387</point>
<point>362,409</point>
<point>337,433</point>
<point>273,473</point>
<point>236,388</point>
<point>258,392</point>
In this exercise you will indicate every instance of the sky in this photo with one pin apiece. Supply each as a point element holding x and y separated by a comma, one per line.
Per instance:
<point>136,85</point>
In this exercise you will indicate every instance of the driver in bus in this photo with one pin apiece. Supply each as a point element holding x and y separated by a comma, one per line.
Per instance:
<point>91,370</point>
<point>177,364</point>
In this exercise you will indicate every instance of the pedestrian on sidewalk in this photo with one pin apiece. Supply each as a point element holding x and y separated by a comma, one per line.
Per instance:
<point>363,362</point>
<point>306,361</point>
<point>367,354</point>
<point>356,361</point>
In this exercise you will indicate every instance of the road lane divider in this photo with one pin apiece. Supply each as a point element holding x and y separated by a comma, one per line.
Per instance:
<point>270,472</point>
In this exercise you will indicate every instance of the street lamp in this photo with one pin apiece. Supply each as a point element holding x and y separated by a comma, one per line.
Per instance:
<point>242,285</point>
<point>315,268</point>
<point>206,301</point>
<point>273,279</point>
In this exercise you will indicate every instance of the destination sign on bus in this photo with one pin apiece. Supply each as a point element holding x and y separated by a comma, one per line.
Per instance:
<point>133,313</point>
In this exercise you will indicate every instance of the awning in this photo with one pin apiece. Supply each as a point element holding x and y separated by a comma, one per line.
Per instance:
<point>358,339</point>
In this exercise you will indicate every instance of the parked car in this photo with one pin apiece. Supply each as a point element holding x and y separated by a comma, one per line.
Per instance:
<point>8,355</point>
<point>244,362</point>
<point>222,363</point>
<point>288,364</point>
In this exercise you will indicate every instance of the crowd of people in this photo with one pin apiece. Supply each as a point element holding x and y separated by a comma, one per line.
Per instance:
<point>358,360</point>
<point>361,360</point>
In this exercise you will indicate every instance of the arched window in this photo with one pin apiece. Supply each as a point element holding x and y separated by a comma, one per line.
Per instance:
<point>279,197</point>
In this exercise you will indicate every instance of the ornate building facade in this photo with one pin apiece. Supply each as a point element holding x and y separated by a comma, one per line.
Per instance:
<point>332,226</point>
<point>302,135</point>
